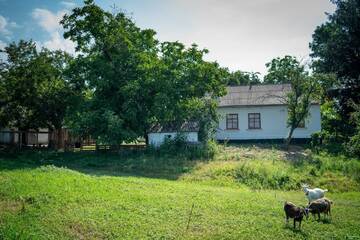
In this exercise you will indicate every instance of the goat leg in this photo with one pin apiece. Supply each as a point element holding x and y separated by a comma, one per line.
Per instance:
<point>294,223</point>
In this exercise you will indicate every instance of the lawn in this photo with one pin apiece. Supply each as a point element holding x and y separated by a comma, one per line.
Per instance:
<point>46,195</point>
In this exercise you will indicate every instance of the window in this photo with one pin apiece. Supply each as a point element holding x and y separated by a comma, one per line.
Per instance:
<point>254,120</point>
<point>232,121</point>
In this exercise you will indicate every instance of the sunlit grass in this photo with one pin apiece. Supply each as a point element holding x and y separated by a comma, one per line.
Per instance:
<point>48,195</point>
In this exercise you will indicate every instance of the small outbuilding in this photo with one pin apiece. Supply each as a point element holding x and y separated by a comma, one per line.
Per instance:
<point>159,133</point>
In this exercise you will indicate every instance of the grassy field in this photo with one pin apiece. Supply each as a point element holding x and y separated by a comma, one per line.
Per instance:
<point>237,195</point>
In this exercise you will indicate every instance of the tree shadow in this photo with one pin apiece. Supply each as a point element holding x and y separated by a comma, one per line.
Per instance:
<point>134,163</point>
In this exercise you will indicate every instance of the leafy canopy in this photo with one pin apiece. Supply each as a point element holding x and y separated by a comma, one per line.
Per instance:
<point>335,48</point>
<point>281,70</point>
<point>130,80</point>
<point>35,92</point>
<point>241,78</point>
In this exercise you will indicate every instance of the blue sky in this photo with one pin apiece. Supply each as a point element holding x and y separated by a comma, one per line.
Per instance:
<point>241,35</point>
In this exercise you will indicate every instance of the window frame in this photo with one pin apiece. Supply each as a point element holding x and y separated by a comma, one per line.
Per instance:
<point>232,123</point>
<point>254,121</point>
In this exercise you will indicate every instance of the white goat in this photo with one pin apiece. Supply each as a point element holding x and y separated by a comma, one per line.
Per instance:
<point>313,194</point>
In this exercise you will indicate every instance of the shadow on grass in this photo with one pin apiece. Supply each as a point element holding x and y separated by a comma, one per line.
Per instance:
<point>125,163</point>
<point>129,163</point>
<point>324,220</point>
<point>297,231</point>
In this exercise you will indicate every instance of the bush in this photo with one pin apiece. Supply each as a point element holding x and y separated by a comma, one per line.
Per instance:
<point>265,177</point>
<point>316,139</point>
<point>179,147</point>
<point>353,146</point>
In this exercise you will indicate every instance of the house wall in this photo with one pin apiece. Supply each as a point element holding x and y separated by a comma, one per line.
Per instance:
<point>273,123</point>
<point>6,137</point>
<point>43,138</point>
<point>156,139</point>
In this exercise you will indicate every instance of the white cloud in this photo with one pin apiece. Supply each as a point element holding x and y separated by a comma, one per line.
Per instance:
<point>67,4</point>
<point>50,22</point>
<point>57,42</point>
<point>5,26</point>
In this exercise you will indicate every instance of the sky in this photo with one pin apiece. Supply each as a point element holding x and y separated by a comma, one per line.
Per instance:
<point>240,34</point>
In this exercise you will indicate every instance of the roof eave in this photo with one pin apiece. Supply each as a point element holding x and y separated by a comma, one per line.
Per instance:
<point>257,105</point>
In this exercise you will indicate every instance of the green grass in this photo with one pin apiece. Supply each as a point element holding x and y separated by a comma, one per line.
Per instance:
<point>48,195</point>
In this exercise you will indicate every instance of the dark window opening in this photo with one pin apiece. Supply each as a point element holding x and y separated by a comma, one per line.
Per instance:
<point>254,121</point>
<point>232,121</point>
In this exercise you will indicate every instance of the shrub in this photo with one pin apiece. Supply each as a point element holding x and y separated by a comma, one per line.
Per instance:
<point>353,146</point>
<point>316,139</point>
<point>179,147</point>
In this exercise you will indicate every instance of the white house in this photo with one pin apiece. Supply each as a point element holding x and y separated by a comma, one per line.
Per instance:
<point>260,112</point>
<point>249,113</point>
<point>158,134</point>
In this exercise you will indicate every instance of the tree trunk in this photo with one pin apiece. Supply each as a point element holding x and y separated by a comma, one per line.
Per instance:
<point>288,140</point>
<point>59,139</point>
<point>56,140</point>
<point>146,139</point>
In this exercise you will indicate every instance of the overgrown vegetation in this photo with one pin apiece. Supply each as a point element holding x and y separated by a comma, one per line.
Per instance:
<point>268,167</point>
<point>48,194</point>
<point>255,166</point>
<point>335,48</point>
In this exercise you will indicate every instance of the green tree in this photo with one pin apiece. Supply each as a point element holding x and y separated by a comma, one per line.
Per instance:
<point>117,62</point>
<point>36,93</point>
<point>188,87</point>
<point>354,144</point>
<point>303,89</point>
<point>18,85</point>
<point>130,80</point>
<point>280,70</point>
<point>335,49</point>
<point>299,99</point>
<point>241,78</point>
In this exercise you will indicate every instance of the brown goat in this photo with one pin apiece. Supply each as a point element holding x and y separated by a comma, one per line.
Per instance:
<point>322,205</point>
<point>295,212</point>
